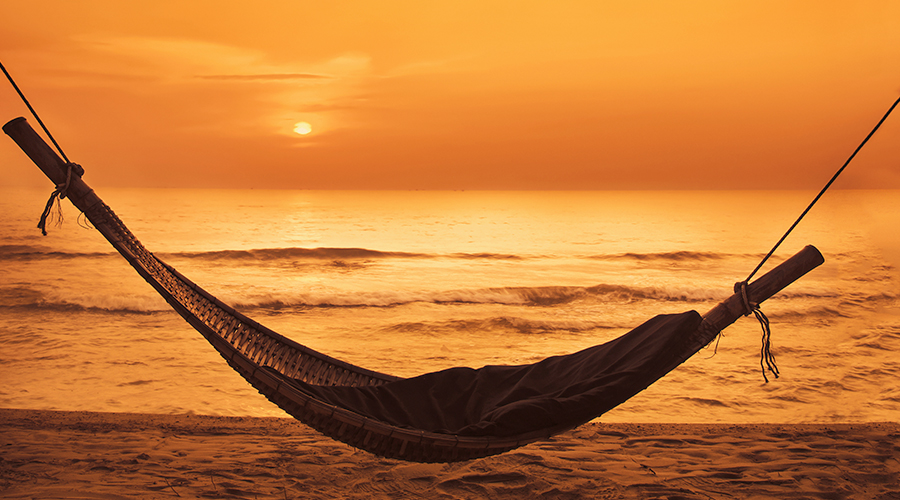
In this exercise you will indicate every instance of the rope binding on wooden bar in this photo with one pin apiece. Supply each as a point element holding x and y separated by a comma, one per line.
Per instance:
<point>766,358</point>
<point>58,194</point>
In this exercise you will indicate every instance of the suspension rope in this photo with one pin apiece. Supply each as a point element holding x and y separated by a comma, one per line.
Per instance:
<point>833,178</point>
<point>766,358</point>
<point>33,112</point>
<point>61,189</point>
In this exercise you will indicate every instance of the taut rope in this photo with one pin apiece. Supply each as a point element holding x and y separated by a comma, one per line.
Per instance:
<point>833,178</point>
<point>767,359</point>
<point>61,189</point>
<point>33,112</point>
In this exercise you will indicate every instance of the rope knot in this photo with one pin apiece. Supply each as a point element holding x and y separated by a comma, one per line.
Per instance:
<point>749,307</point>
<point>766,358</point>
<point>61,191</point>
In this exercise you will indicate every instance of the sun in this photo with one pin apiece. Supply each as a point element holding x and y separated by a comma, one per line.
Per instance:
<point>302,128</point>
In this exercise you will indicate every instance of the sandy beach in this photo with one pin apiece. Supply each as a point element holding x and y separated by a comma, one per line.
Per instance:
<point>54,454</point>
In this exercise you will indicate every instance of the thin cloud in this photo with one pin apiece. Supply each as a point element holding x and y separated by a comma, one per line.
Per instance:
<point>271,76</point>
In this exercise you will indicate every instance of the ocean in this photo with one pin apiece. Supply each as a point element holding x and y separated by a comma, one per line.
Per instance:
<point>416,281</point>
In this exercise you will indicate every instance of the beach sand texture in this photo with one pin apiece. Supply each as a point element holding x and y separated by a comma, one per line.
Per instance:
<point>54,454</point>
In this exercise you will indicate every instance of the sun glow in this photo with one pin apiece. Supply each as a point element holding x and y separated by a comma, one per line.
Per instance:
<point>302,128</point>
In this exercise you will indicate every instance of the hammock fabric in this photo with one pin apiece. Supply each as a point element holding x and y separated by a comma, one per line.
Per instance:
<point>450,415</point>
<point>506,401</point>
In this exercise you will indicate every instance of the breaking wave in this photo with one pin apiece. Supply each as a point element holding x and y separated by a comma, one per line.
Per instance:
<point>25,252</point>
<point>541,296</point>
<point>29,252</point>
<point>547,296</point>
<point>271,254</point>
<point>670,256</point>
<point>501,323</point>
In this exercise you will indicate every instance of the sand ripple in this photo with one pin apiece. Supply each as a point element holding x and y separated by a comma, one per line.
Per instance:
<point>46,454</point>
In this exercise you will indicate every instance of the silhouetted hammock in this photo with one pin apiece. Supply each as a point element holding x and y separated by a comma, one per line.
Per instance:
<point>450,415</point>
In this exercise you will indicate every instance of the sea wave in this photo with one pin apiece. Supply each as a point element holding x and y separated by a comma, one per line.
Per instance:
<point>671,256</point>
<point>676,256</point>
<point>21,252</point>
<point>812,302</point>
<point>329,253</point>
<point>26,252</point>
<point>514,324</point>
<point>809,313</point>
<point>293,253</point>
<point>544,296</point>
<point>34,252</point>
<point>354,257</point>
<point>25,298</point>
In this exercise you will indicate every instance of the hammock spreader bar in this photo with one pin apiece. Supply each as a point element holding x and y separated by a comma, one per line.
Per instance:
<point>451,415</point>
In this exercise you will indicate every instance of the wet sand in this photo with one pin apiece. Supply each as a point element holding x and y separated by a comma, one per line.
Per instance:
<point>50,454</point>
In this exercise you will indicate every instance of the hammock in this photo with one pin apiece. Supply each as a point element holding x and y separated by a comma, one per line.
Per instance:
<point>450,415</point>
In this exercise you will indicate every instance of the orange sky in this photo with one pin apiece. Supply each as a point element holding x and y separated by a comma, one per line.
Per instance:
<point>457,94</point>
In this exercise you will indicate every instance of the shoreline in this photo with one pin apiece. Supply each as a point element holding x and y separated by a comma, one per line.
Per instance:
<point>76,454</point>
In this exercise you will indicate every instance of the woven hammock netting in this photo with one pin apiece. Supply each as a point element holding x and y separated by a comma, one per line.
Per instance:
<point>449,415</point>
